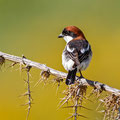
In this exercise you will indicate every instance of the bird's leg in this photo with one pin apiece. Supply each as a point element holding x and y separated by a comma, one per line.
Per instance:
<point>81,76</point>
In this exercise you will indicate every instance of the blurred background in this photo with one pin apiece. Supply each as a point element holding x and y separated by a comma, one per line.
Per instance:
<point>31,28</point>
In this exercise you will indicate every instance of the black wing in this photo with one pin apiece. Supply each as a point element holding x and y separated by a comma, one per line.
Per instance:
<point>81,50</point>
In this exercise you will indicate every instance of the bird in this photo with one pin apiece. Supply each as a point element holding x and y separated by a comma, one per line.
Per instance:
<point>77,54</point>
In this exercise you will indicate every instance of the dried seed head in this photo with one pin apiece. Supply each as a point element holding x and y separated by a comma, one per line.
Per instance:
<point>111,104</point>
<point>74,94</point>
<point>58,80</point>
<point>13,64</point>
<point>96,91</point>
<point>45,74</point>
<point>2,60</point>
<point>28,68</point>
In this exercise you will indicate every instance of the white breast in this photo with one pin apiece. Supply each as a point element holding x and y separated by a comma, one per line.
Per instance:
<point>67,62</point>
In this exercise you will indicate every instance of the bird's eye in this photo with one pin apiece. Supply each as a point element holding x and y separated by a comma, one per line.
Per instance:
<point>69,32</point>
<point>64,32</point>
<point>72,34</point>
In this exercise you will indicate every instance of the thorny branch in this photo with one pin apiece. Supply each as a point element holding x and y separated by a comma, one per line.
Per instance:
<point>28,90</point>
<point>57,73</point>
<point>28,93</point>
<point>76,93</point>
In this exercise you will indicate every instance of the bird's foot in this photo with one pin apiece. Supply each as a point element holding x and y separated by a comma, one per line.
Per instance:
<point>81,76</point>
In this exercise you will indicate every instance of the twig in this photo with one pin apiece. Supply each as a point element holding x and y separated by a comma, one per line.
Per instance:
<point>28,91</point>
<point>76,106</point>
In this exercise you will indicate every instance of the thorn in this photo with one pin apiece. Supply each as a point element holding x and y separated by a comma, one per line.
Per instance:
<point>65,101</point>
<point>25,94</point>
<point>2,60</point>
<point>70,117</point>
<point>77,106</point>
<point>12,65</point>
<point>24,57</point>
<point>82,116</point>
<point>25,104</point>
<point>25,81</point>
<point>61,101</point>
<point>37,83</point>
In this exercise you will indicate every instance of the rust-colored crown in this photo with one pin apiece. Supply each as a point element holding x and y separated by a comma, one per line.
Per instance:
<point>76,31</point>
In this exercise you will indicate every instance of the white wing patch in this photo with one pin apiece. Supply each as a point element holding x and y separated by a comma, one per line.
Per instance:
<point>70,49</point>
<point>88,47</point>
<point>85,49</point>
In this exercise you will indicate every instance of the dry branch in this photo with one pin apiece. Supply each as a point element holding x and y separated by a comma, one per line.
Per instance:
<point>57,73</point>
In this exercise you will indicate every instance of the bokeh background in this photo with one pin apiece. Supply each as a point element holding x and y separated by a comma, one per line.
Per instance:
<point>31,27</point>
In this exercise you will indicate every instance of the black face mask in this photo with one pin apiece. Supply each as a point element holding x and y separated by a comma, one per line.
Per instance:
<point>68,33</point>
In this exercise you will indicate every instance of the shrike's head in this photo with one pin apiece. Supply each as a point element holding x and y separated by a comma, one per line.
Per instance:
<point>71,32</point>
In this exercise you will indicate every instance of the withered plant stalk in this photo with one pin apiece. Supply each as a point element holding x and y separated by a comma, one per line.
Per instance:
<point>28,91</point>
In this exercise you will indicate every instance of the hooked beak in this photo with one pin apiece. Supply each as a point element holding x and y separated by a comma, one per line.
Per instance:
<point>61,36</point>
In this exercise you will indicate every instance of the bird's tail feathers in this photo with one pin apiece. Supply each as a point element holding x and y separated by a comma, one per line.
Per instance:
<point>71,77</point>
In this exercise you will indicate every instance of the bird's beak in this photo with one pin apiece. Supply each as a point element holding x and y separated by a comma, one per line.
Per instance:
<point>61,36</point>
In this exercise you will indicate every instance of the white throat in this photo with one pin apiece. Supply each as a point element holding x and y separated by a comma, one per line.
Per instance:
<point>68,38</point>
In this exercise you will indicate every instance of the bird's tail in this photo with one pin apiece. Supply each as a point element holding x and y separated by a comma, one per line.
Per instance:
<point>71,77</point>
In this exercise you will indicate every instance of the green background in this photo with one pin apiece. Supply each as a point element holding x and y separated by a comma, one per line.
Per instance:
<point>31,27</point>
